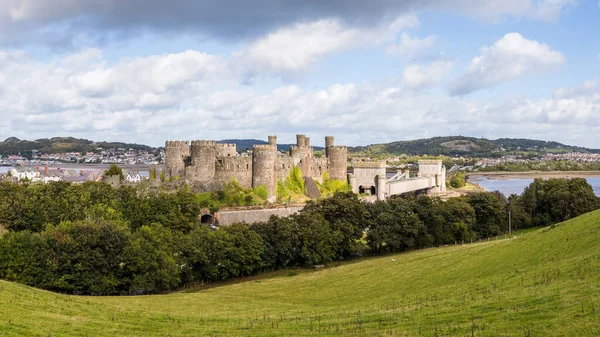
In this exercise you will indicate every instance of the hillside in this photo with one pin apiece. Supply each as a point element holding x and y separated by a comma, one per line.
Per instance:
<point>14,145</point>
<point>544,283</point>
<point>470,146</point>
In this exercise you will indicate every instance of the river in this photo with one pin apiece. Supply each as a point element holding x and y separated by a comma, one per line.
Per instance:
<point>517,185</point>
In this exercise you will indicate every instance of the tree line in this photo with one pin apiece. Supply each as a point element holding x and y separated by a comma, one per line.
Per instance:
<point>93,239</point>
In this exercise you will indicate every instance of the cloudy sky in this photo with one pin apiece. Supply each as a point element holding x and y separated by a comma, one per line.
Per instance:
<point>364,71</point>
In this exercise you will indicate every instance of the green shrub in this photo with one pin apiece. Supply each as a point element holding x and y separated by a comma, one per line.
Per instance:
<point>261,191</point>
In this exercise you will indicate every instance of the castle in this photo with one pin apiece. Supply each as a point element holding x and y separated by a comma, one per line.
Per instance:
<point>206,164</point>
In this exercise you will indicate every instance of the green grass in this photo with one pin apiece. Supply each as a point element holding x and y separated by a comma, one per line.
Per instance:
<point>543,283</point>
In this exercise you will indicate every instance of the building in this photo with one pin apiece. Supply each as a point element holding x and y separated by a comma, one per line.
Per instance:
<point>206,164</point>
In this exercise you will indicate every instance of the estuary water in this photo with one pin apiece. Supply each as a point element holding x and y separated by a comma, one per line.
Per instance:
<point>516,186</point>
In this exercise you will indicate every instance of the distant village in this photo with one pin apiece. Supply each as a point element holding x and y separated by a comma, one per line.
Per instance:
<point>112,156</point>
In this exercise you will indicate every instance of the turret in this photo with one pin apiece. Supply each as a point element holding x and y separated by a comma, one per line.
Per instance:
<point>328,144</point>
<point>300,140</point>
<point>203,160</point>
<point>272,140</point>
<point>338,162</point>
<point>175,154</point>
<point>263,169</point>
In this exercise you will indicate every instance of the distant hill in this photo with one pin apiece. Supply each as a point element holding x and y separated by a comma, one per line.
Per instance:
<point>470,146</point>
<point>242,144</point>
<point>14,145</point>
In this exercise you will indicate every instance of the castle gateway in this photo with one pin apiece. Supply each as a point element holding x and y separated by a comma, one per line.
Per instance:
<point>206,164</point>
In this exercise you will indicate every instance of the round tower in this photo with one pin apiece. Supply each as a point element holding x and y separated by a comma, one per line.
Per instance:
<point>263,169</point>
<point>338,161</point>
<point>175,151</point>
<point>203,155</point>
<point>328,144</point>
<point>272,140</point>
<point>300,140</point>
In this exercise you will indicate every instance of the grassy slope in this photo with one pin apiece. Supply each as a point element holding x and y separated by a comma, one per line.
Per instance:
<point>544,283</point>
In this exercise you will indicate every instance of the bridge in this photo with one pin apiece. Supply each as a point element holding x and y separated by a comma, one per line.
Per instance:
<point>370,177</point>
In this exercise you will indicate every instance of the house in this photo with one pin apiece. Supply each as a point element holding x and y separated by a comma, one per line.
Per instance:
<point>133,177</point>
<point>24,174</point>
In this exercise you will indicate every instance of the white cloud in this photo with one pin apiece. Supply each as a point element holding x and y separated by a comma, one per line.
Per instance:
<point>295,47</point>
<point>509,58</point>
<point>418,76</point>
<point>177,96</point>
<point>411,48</point>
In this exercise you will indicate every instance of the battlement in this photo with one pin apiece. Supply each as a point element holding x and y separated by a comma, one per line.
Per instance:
<point>204,143</point>
<point>430,162</point>
<point>176,143</point>
<point>262,147</point>
<point>339,147</point>
<point>225,145</point>
<point>369,164</point>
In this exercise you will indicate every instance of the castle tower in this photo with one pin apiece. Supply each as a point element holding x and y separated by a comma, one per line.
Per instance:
<point>175,153</point>
<point>263,168</point>
<point>307,141</point>
<point>328,144</point>
<point>273,140</point>
<point>203,161</point>
<point>338,162</point>
<point>300,140</point>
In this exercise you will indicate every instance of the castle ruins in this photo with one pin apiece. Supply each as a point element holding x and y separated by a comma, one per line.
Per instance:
<point>206,164</point>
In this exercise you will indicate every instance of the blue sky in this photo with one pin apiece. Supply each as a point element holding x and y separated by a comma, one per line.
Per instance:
<point>365,72</point>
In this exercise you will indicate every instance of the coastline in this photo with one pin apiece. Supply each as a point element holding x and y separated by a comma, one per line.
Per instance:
<point>499,175</point>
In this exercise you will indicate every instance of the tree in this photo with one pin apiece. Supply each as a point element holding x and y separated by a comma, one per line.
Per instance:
<point>114,170</point>
<point>458,180</point>
<point>490,214</point>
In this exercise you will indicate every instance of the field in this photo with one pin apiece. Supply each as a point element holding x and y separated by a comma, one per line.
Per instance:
<point>543,283</point>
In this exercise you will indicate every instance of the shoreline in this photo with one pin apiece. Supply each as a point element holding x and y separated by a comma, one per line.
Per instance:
<point>499,175</point>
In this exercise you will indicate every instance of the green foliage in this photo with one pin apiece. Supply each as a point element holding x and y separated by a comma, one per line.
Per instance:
<point>261,191</point>
<point>294,181</point>
<point>94,239</point>
<point>490,213</point>
<point>458,180</point>
<point>114,170</point>
<point>152,173</point>
<point>162,176</point>
<point>330,186</point>
<point>283,194</point>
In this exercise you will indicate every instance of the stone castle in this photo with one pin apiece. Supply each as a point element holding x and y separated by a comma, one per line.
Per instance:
<point>206,164</point>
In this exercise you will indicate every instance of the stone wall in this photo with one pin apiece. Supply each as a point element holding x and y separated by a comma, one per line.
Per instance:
<point>238,168</point>
<point>226,150</point>
<point>225,218</point>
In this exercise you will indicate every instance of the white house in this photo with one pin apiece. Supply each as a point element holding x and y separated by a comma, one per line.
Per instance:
<point>133,177</point>
<point>22,174</point>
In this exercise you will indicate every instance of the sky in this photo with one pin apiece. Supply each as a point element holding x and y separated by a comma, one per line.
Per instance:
<point>366,72</point>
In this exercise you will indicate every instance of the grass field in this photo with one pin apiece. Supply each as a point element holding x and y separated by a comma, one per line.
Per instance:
<point>543,283</point>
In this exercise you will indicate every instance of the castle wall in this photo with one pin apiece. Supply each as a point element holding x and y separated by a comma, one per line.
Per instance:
<point>238,168</point>
<point>284,165</point>
<point>319,166</point>
<point>264,172</point>
<point>226,150</point>
<point>338,162</point>
<point>226,218</point>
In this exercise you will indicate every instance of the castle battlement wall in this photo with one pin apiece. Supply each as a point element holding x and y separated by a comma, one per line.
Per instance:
<point>226,150</point>
<point>204,143</point>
